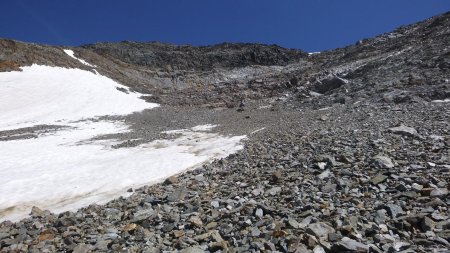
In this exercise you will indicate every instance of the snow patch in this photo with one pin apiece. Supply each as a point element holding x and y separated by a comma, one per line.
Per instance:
<point>42,95</point>
<point>257,130</point>
<point>265,106</point>
<point>71,54</point>
<point>207,127</point>
<point>68,170</point>
<point>447,100</point>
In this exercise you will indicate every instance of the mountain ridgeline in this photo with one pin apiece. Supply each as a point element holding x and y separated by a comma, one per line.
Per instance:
<point>409,64</point>
<point>156,55</point>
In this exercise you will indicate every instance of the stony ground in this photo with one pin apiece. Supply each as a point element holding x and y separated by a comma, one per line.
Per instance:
<point>350,178</point>
<point>345,150</point>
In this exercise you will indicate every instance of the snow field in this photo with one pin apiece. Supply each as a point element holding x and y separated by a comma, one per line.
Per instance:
<point>67,169</point>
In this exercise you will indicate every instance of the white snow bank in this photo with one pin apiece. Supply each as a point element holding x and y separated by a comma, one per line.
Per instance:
<point>207,127</point>
<point>257,130</point>
<point>71,54</point>
<point>441,101</point>
<point>54,95</point>
<point>66,170</point>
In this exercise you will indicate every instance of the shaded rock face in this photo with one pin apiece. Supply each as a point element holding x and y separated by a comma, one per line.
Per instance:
<point>173,57</point>
<point>329,84</point>
<point>404,66</point>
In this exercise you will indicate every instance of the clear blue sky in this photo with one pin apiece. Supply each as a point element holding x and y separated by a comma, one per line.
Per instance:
<point>313,25</point>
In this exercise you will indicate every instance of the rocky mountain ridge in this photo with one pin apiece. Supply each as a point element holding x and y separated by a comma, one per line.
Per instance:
<point>157,55</point>
<point>407,64</point>
<point>347,150</point>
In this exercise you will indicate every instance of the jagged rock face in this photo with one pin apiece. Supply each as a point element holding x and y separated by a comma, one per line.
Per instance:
<point>227,55</point>
<point>408,65</point>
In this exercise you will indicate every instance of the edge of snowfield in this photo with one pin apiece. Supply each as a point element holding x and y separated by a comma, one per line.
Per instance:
<point>68,169</point>
<point>54,95</point>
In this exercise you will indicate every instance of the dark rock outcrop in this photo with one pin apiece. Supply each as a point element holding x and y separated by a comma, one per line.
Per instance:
<point>157,55</point>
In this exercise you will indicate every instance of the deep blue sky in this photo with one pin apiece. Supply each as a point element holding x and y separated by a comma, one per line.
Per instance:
<point>313,25</point>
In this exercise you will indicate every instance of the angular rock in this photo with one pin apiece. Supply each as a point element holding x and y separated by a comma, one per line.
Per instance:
<point>439,192</point>
<point>215,204</point>
<point>37,212</point>
<point>277,176</point>
<point>192,250</point>
<point>324,174</point>
<point>171,180</point>
<point>320,229</point>
<point>142,215</point>
<point>417,187</point>
<point>321,165</point>
<point>427,224</point>
<point>349,245</point>
<point>305,222</point>
<point>46,235</point>
<point>196,221</point>
<point>380,216</point>
<point>273,191</point>
<point>404,130</point>
<point>130,227</point>
<point>382,162</point>
<point>299,248</point>
<point>329,83</point>
<point>378,179</point>
<point>426,191</point>
<point>167,228</point>
<point>259,212</point>
<point>398,246</point>
<point>394,210</point>
<point>438,216</point>
<point>293,223</point>
<point>102,244</point>
<point>329,188</point>
<point>82,248</point>
<point>177,195</point>
<point>255,232</point>
<point>318,249</point>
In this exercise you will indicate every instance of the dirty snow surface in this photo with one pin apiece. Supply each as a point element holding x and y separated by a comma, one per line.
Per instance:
<point>69,168</point>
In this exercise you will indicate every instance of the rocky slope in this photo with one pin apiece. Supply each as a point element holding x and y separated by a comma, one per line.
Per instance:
<point>352,178</point>
<point>171,57</point>
<point>348,150</point>
<point>408,64</point>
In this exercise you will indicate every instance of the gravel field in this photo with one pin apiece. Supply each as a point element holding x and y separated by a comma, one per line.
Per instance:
<point>350,178</point>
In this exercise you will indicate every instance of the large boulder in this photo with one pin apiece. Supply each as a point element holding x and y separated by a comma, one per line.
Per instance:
<point>349,245</point>
<point>329,83</point>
